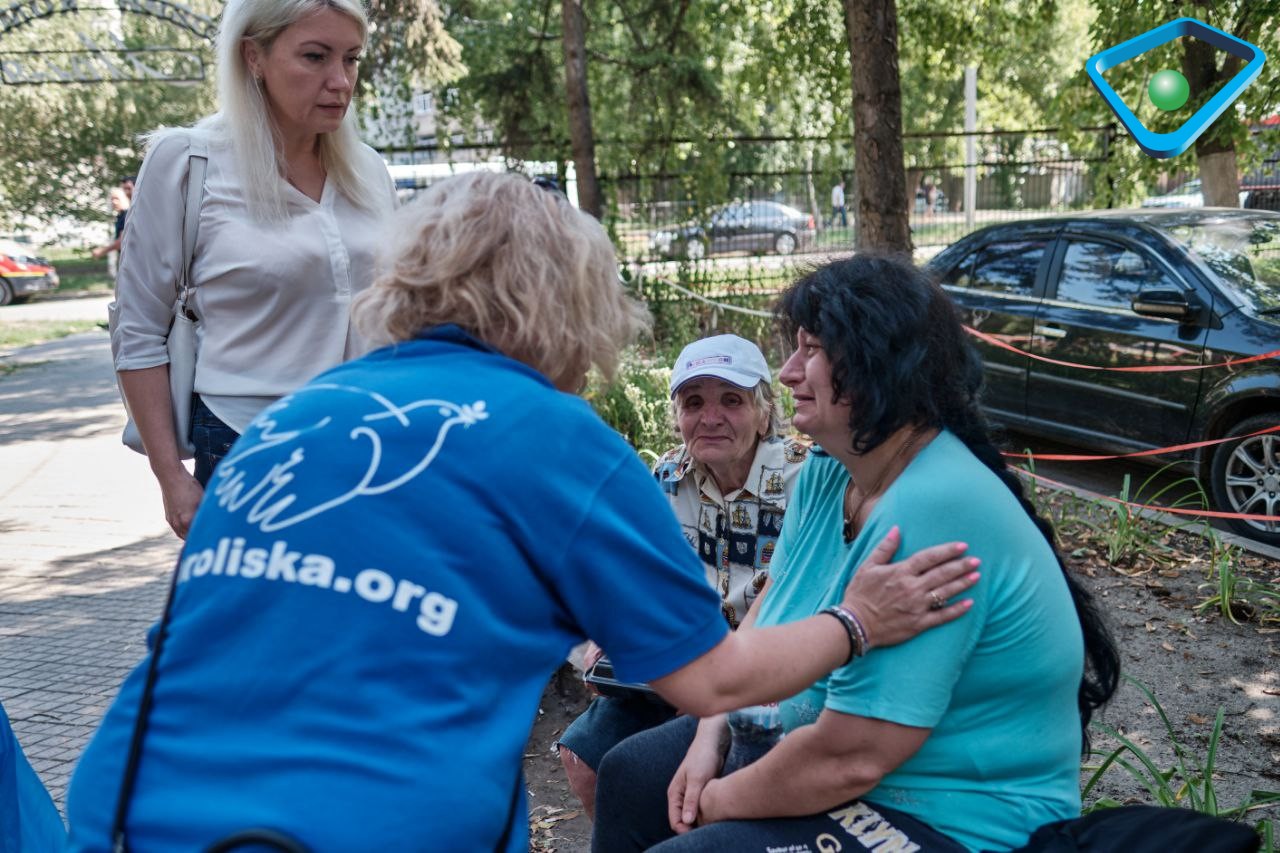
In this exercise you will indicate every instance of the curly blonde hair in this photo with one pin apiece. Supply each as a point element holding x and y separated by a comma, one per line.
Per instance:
<point>513,264</point>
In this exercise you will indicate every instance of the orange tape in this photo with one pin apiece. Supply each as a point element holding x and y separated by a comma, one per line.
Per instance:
<point>1079,457</point>
<point>1206,513</point>
<point>1150,368</point>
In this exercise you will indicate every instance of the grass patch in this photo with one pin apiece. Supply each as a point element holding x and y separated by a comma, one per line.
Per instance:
<point>1189,783</point>
<point>85,281</point>
<point>16,335</point>
<point>68,254</point>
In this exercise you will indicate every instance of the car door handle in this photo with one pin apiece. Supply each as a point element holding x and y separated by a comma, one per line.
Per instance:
<point>1051,332</point>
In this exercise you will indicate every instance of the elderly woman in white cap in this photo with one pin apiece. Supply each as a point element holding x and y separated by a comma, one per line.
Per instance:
<point>729,481</point>
<point>728,484</point>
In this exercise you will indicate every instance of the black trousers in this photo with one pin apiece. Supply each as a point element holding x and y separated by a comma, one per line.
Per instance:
<point>631,811</point>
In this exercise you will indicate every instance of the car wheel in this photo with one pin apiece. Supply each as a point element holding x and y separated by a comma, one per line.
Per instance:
<point>695,249</point>
<point>1246,477</point>
<point>6,292</point>
<point>785,244</point>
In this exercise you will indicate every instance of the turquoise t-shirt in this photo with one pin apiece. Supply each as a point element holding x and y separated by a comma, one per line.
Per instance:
<point>996,687</point>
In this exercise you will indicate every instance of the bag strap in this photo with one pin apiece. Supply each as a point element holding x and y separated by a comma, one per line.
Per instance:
<point>198,161</point>
<point>197,164</point>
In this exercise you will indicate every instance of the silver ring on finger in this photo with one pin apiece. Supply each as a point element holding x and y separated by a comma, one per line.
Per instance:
<point>935,603</point>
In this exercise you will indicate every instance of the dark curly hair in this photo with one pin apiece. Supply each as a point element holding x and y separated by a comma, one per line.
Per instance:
<point>899,354</point>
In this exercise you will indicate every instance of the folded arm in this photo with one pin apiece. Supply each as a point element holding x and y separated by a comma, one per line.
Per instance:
<point>812,769</point>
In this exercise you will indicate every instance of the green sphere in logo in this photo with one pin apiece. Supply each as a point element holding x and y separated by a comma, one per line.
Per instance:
<point>1168,89</point>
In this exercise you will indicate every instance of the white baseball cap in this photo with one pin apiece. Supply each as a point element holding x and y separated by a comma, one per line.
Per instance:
<point>731,358</point>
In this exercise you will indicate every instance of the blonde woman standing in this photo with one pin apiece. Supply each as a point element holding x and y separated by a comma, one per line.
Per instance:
<point>293,206</point>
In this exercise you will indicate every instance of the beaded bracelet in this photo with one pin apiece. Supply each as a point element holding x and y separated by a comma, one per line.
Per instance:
<point>864,644</point>
<point>853,629</point>
<point>848,630</point>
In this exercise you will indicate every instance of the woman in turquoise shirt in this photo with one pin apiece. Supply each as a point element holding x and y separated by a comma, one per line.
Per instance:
<point>964,738</point>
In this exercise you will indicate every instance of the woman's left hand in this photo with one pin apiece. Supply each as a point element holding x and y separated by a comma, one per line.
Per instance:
<point>897,601</point>
<point>699,769</point>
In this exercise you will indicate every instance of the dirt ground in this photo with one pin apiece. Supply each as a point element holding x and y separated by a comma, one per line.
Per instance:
<point>1194,664</point>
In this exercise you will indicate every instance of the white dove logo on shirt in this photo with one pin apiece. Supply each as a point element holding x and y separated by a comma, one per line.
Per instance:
<point>270,476</point>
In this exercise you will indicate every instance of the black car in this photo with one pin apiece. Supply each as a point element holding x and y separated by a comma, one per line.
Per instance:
<point>751,226</point>
<point>1153,288</point>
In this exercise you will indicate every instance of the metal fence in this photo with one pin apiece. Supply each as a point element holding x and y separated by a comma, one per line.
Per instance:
<point>777,196</point>
<point>727,221</point>
<point>750,196</point>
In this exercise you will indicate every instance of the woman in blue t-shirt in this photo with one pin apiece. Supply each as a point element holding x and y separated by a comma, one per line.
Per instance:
<point>966,737</point>
<point>393,559</point>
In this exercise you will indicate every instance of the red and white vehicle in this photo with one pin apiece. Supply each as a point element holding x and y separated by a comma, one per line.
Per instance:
<point>22,273</point>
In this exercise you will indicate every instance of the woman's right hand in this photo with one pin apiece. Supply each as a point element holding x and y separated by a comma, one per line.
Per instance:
<point>182,493</point>
<point>897,601</point>
<point>147,392</point>
<point>590,657</point>
<point>701,764</point>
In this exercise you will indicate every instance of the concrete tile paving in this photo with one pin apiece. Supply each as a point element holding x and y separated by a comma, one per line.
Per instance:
<point>84,549</point>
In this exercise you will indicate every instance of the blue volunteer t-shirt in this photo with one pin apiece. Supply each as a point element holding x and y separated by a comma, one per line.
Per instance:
<point>385,571</point>
<point>997,687</point>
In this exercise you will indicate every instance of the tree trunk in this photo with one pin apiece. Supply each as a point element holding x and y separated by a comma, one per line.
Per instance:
<point>1219,177</point>
<point>880,183</point>
<point>812,191</point>
<point>1216,149</point>
<point>579,107</point>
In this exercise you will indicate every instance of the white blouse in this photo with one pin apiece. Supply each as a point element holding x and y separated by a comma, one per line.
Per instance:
<point>273,299</point>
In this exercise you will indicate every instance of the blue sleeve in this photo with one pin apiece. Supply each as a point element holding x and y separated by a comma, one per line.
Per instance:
<point>628,577</point>
<point>912,683</point>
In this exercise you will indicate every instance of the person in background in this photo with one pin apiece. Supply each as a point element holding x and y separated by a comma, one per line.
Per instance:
<point>967,737</point>
<point>294,206</point>
<point>838,206</point>
<point>728,484</point>
<point>380,583</point>
<point>120,206</point>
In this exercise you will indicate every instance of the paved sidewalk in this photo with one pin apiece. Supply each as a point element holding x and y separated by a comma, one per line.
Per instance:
<point>77,307</point>
<point>84,549</point>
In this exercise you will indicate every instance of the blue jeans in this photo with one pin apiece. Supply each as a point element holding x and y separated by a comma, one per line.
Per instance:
<point>609,721</point>
<point>212,439</point>
<point>631,810</point>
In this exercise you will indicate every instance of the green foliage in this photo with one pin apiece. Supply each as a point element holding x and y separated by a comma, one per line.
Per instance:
<point>679,317</point>
<point>409,47</point>
<point>636,403</point>
<point>1126,532</point>
<point>658,72</point>
<point>1187,783</point>
<point>63,146</point>
<point>1234,595</point>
